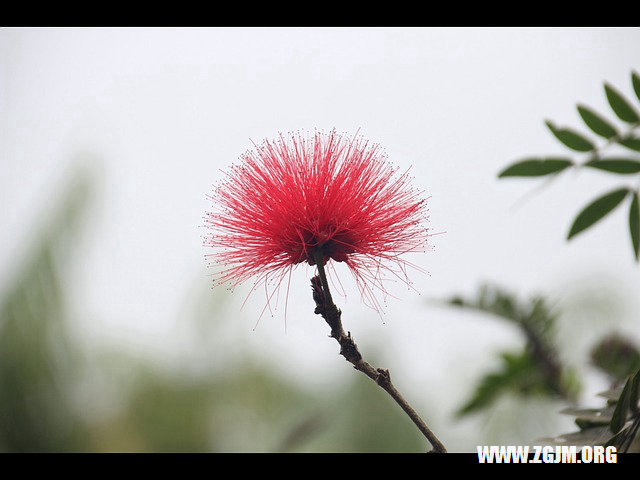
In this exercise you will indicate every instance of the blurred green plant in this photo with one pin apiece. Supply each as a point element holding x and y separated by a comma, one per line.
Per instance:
<point>37,361</point>
<point>534,370</point>
<point>616,356</point>
<point>596,159</point>
<point>618,422</point>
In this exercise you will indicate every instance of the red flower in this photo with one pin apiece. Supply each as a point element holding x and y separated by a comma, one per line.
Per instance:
<point>293,197</point>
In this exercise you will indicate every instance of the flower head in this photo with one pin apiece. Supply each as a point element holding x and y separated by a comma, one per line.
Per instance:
<point>300,198</point>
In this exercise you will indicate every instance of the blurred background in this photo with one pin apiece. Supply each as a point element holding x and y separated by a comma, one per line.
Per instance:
<point>111,337</point>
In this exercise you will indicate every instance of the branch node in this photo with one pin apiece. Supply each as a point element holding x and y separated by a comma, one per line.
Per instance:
<point>384,377</point>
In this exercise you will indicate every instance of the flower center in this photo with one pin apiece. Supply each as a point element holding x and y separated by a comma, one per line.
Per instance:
<point>336,246</point>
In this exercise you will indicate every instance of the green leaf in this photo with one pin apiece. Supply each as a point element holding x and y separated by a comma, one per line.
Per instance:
<point>619,417</point>
<point>634,395</point>
<point>615,165</point>
<point>596,122</point>
<point>620,106</point>
<point>596,210</point>
<point>634,225</point>
<point>519,374</point>
<point>570,138</point>
<point>536,167</point>
<point>618,439</point>
<point>630,142</point>
<point>635,80</point>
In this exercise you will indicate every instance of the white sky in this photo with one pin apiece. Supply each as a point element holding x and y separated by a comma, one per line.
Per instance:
<point>161,111</point>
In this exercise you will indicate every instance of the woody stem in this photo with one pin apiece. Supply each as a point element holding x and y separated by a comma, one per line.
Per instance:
<point>319,259</point>
<point>349,350</point>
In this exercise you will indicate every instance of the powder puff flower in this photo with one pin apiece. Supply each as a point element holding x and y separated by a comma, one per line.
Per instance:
<point>299,198</point>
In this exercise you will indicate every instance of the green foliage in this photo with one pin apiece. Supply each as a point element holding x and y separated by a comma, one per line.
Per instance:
<point>634,224</point>
<point>619,417</point>
<point>519,373</point>
<point>533,371</point>
<point>596,210</point>
<point>571,138</point>
<point>615,165</point>
<point>625,421</point>
<point>35,414</point>
<point>617,423</point>
<point>598,124</point>
<point>635,80</point>
<point>616,356</point>
<point>634,394</point>
<point>630,142</point>
<point>620,105</point>
<point>535,167</point>
<point>246,411</point>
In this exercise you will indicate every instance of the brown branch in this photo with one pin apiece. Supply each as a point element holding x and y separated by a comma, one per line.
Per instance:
<point>349,350</point>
